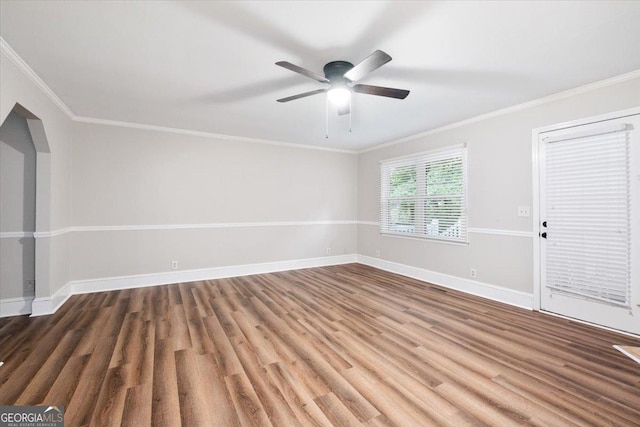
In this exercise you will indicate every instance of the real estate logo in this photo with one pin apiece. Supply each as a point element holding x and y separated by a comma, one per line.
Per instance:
<point>31,416</point>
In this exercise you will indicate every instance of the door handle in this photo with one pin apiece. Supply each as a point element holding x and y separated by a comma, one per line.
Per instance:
<point>544,224</point>
<point>543,235</point>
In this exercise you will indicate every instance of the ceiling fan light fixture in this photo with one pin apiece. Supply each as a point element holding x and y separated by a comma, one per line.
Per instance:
<point>339,96</point>
<point>342,78</point>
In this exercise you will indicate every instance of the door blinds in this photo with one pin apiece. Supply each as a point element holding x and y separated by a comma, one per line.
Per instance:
<point>588,201</point>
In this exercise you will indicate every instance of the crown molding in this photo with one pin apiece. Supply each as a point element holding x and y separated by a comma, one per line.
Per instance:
<point>22,65</point>
<point>529,104</point>
<point>203,134</point>
<point>31,75</point>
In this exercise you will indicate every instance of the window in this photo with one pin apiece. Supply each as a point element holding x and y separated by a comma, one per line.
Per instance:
<point>425,195</point>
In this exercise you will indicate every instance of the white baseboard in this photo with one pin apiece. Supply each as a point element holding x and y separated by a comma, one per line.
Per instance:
<point>15,306</point>
<point>165,278</point>
<point>626,353</point>
<point>484,290</point>
<point>48,305</point>
<point>45,306</point>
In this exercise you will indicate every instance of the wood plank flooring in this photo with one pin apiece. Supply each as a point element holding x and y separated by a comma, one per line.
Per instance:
<point>343,345</point>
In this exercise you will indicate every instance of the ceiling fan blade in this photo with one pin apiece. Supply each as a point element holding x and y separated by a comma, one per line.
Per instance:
<point>303,71</point>
<point>389,92</point>
<point>302,95</point>
<point>344,109</point>
<point>372,62</point>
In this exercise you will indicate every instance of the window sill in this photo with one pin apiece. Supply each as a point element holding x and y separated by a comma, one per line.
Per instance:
<point>423,239</point>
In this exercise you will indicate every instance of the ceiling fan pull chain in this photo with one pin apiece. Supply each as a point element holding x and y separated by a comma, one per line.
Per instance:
<point>350,113</point>
<point>327,118</point>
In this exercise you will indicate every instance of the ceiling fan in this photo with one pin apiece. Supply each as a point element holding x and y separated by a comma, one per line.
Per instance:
<point>341,77</point>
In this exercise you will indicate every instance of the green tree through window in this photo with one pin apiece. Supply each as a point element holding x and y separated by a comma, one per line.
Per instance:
<point>403,188</point>
<point>424,196</point>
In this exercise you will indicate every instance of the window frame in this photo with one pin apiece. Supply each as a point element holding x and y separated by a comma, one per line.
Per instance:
<point>421,161</point>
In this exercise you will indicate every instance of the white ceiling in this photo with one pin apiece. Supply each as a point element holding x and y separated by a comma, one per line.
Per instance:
<point>209,66</point>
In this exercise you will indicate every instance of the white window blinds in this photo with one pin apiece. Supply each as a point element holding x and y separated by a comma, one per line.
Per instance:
<point>588,198</point>
<point>425,195</point>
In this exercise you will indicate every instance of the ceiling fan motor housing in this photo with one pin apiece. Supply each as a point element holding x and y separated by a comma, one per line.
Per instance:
<point>335,70</point>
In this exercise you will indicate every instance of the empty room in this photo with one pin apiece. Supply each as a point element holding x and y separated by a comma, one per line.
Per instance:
<point>333,213</point>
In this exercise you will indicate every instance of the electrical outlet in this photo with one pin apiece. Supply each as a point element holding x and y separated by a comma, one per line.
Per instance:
<point>523,210</point>
<point>174,265</point>
<point>328,251</point>
<point>30,286</point>
<point>378,253</point>
<point>473,273</point>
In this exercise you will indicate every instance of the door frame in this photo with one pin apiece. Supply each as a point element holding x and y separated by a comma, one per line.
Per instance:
<point>535,212</point>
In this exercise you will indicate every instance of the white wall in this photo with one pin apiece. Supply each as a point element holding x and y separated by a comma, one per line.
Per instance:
<point>140,199</point>
<point>17,207</point>
<point>500,180</point>
<point>224,190</point>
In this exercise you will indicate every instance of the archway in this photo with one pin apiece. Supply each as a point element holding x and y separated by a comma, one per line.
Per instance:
<point>28,247</point>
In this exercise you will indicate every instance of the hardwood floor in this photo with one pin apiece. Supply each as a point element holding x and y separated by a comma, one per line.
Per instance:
<point>344,345</point>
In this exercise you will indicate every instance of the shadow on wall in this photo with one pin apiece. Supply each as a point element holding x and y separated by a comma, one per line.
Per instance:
<point>17,207</point>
